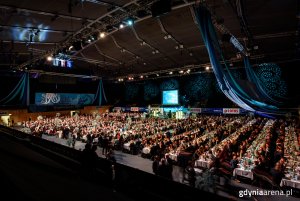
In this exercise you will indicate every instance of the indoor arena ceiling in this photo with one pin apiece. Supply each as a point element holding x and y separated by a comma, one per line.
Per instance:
<point>32,30</point>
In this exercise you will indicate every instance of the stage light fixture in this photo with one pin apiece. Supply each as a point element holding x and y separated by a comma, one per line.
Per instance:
<point>207,68</point>
<point>129,22</point>
<point>121,26</point>
<point>49,58</point>
<point>102,35</point>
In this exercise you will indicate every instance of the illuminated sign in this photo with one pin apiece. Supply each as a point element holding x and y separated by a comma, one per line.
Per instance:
<point>231,111</point>
<point>62,63</point>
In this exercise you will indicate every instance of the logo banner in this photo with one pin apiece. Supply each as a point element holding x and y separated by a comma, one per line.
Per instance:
<point>63,99</point>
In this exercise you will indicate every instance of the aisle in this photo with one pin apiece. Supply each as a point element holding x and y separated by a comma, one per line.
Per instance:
<point>133,161</point>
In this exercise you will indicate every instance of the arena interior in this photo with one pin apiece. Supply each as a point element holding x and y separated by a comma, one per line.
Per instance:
<point>149,100</point>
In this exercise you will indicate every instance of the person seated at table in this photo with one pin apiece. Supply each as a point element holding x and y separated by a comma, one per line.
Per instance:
<point>261,163</point>
<point>282,163</point>
<point>234,161</point>
<point>210,155</point>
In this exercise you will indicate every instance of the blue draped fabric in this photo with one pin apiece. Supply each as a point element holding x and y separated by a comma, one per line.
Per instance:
<point>20,94</point>
<point>228,84</point>
<point>100,94</point>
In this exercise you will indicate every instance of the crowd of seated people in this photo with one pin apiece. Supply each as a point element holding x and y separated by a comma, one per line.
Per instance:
<point>222,140</point>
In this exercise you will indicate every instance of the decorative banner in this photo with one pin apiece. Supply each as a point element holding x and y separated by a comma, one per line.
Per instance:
<point>134,109</point>
<point>117,109</point>
<point>195,110</point>
<point>231,111</point>
<point>63,99</point>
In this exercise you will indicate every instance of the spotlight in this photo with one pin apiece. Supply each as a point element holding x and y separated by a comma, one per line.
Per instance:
<point>188,71</point>
<point>171,73</point>
<point>121,26</point>
<point>181,71</point>
<point>129,22</point>
<point>157,75</point>
<point>207,68</point>
<point>141,76</point>
<point>49,58</point>
<point>102,35</point>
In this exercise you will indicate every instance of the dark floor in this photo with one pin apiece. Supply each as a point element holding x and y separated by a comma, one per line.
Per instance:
<point>28,175</point>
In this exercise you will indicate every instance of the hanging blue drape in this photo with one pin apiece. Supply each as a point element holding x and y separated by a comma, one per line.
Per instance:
<point>19,93</point>
<point>226,81</point>
<point>100,94</point>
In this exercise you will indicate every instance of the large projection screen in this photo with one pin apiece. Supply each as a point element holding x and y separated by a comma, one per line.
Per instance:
<point>170,97</point>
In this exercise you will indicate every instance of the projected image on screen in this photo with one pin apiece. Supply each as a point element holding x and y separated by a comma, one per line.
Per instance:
<point>170,97</point>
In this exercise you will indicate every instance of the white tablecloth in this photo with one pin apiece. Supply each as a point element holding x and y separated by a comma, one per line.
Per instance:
<point>126,146</point>
<point>290,183</point>
<point>172,156</point>
<point>146,150</point>
<point>243,173</point>
<point>203,163</point>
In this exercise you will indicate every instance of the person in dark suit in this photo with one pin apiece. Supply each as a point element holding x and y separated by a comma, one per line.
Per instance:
<point>105,145</point>
<point>276,173</point>
<point>190,174</point>
<point>155,165</point>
